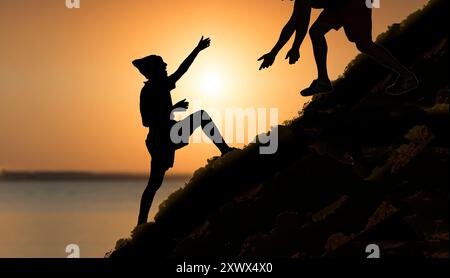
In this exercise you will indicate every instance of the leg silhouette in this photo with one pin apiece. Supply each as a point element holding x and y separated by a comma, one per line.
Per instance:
<point>317,33</point>
<point>382,56</point>
<point>154,183</point>
<point>193,121</point>
<point>356,19</point>
<point>202,119</point>
<point>406,80</point>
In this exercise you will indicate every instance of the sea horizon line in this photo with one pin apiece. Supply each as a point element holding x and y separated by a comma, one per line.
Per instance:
<point>78,175</point>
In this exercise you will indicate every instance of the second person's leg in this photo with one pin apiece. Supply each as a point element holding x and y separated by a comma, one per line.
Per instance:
<point>317,33</point>
<point>406,80</point>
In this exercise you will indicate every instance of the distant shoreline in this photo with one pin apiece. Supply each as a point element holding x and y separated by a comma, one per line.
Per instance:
<point>6,175</point>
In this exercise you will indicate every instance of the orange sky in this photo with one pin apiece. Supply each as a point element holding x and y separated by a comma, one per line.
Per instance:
<point>69,94</point>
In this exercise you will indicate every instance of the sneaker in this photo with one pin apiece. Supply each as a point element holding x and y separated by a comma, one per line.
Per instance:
<point>403,85</point>
<point>317,87</point>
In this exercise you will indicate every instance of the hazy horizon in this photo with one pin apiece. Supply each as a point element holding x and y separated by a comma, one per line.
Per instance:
<point>68,175</point>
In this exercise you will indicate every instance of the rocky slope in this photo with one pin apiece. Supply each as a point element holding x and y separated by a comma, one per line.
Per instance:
<point>356,167</point>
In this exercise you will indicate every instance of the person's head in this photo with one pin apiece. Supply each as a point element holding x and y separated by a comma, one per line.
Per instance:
<point>152,67</point>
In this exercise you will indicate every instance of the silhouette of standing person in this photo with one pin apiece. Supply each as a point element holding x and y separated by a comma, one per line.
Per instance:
<point>356,19</point>
<point>157,114</point>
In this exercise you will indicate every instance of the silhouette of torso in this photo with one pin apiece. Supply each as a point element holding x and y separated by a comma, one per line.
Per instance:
<point>156,109</point>
<point>156,104</point>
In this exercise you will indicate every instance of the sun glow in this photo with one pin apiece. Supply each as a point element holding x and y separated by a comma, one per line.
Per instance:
<point>212,83</point>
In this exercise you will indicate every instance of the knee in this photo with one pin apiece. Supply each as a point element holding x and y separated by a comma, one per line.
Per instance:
<point>204,115</point>
<point>315,32</point>
<point>156,178</point>
<point>200,113</point>
<point>150,190</point>
<point>364,46</point>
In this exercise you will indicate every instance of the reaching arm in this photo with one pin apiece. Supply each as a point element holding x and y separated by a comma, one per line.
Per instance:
<point>285,35</point>
<point>302,11</point>
<point>294,23</point>
<point>203,44</point>
<point>302,14</point>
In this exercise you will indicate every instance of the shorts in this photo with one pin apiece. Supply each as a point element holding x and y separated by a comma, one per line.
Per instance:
<point>161,148</point>
<point>353,15</point>
<point>162,153</point>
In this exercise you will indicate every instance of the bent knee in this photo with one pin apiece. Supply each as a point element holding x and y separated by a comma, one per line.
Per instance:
<point>316,32</point>
<point>204,115</point>
<point>364,46</point>
<point>152,188</point>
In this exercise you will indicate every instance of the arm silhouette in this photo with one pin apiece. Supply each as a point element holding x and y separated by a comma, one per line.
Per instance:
<point>298,22</point>
<point>203,44</point>
<point>182,105</point>
<point>302,11</point>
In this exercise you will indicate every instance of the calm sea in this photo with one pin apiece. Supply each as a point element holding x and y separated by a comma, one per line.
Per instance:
<point>39,219</point>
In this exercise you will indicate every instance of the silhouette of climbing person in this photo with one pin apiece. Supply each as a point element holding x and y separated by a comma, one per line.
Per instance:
<point>164,132</point>
<point>356,19</point>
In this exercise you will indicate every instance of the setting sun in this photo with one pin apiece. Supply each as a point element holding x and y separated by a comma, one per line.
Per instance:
<point>211,83</point>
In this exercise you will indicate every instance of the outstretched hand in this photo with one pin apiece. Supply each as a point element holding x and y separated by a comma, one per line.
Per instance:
<point>183,104</point>
<point>267,59</point>
<point>293,55</point>
<point>203,43</point>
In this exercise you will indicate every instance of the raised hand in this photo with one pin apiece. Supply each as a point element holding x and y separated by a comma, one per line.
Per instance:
<point>293,55</point>
<point>267,59</point>
<point>203,43</point>
<point>183,104</point>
